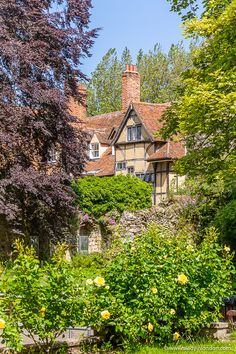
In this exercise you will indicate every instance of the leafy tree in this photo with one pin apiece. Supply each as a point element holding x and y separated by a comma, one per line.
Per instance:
<point>41,300</point>
<point>126,58</point>
<point>160,77</point>
<point>205,115</point>
<point>186,8</point>
<point>42,44</point>
<point>161,74</point>
<point>190,8</point>
<point>104,89</point>
<point>105,85</point>
<point>98,196</point>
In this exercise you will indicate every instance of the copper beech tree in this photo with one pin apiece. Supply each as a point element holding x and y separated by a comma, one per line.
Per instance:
<point>42,44</point>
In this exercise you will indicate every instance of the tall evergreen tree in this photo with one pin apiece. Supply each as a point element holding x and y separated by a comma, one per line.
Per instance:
<point>160,77</point>
<point>104,89</point>
<point>126,58</point>
<point>42,43</point>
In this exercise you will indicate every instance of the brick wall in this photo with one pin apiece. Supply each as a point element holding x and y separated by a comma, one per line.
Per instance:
<point>130,86</point>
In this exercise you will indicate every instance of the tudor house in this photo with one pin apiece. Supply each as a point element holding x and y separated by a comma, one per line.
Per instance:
<point>127,141</point>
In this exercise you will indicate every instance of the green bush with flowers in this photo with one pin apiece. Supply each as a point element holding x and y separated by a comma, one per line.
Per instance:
<point>39,300</point>
<point>160,288</point>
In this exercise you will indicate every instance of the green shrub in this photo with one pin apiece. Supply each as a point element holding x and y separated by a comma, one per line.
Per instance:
<point>88,265</point>
<point>41,300</point>
<point>225,221</point>
<point>97,196</point>
<point>160,288</point>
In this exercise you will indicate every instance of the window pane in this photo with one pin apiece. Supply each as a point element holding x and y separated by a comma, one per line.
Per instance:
<point>52,155</point>
<point>83,244</point>
<point>94,150</point>
<point>129,134</point>
<point>134,133</point>
<point>121,166</point>
<point>138,137</point>
<point>130,170</point>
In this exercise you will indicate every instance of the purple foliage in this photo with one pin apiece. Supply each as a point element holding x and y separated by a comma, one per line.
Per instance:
<point>42,44</point>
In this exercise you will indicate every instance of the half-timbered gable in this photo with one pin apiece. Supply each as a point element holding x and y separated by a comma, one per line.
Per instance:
<point>128,141</point>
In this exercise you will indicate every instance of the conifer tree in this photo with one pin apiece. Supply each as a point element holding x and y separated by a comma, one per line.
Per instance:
<point>160,77</point>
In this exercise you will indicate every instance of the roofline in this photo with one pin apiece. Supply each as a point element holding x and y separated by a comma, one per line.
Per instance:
<point>145,128</point>
<point>129,109</point>
<point>102,115</point>
<point>162,159</point>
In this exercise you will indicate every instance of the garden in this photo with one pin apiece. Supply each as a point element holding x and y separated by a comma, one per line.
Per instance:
<point>159,290</point>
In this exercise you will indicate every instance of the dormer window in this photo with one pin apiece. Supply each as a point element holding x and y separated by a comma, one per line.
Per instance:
<point>134,133</point>
<point>94,151</point>
<point>52,155</point>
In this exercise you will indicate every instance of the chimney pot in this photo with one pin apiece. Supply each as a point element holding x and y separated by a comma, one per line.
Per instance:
<point>130,86</point>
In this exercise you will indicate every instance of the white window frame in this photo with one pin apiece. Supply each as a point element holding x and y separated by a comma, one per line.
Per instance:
<point>52,155</point>
<point>121,166</point>
<point>94,150</point>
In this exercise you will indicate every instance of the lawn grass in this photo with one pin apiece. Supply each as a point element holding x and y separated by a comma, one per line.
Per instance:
<point>215,347</point>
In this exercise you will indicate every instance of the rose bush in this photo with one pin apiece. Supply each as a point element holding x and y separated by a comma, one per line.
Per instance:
<point>160,288</point>
<point>41,300</point>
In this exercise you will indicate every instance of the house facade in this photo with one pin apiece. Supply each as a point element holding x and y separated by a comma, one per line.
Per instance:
<point>127,142</point>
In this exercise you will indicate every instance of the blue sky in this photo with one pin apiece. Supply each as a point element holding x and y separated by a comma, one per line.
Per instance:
<point>132,23</point>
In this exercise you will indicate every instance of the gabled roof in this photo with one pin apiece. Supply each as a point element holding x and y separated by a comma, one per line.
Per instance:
<point>102,125</point>
<point>169,151</point>
<point>104,166</point>
<point>150,115</point>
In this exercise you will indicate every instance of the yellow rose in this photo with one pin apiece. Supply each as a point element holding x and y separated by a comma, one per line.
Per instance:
<point>226,248</point>
<point>89,281</point>
<point>2,323</point>
<point>190,248</point>
<point>99,281</point>
<point>42,311</point>
<point>182,279</point>
<point>176,336</point>
<point>154,290</point>
<point>107,287</point>
<point>150,327</point>
<point>105,315</point>
<point>172,311</point>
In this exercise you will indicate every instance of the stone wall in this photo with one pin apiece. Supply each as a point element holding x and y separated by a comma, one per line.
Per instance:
<point>165,214</point>
<point>129,224</point>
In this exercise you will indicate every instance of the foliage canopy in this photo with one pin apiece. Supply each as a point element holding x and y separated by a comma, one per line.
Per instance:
<point>205,114</point>
<point>160,77</point>
<point>42,44</point>
<point>98,196</point>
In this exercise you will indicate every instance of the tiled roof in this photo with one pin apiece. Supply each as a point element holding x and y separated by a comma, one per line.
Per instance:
<point>104,166</point>
<point>151,116</point>
<point>103,124</point>
<point>102,137</point>
<point>170,150</point>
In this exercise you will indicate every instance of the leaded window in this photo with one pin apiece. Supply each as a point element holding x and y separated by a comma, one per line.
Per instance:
<point>134,133</point>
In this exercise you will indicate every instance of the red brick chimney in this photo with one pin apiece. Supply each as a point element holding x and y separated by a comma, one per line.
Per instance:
<point>76,108</point>
<point>130,86</point>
